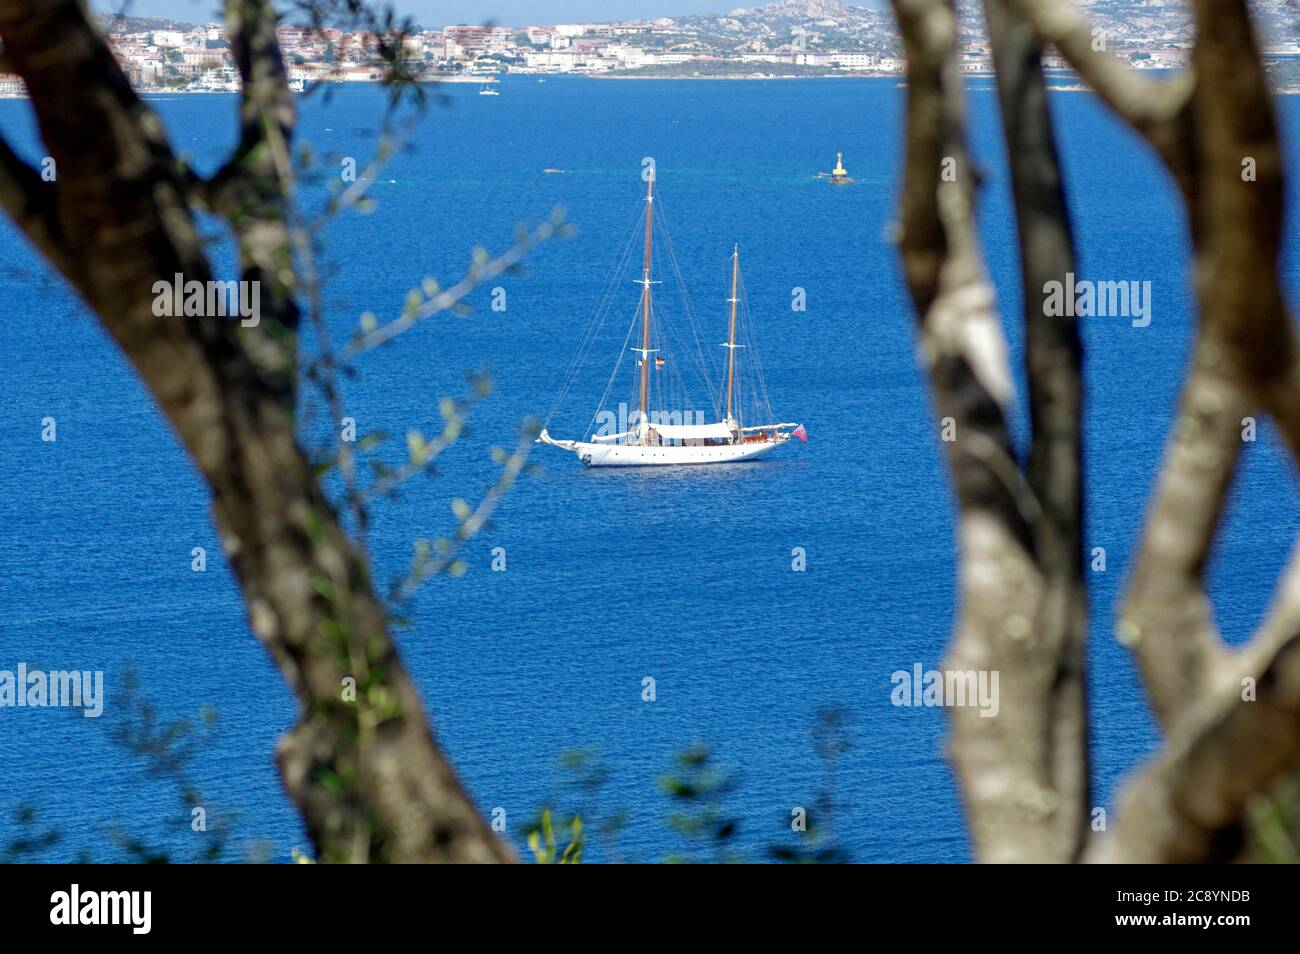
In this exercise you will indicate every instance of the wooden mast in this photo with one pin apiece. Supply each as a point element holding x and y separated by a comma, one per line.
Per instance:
<point>731,338</point>
<point>645,293</point>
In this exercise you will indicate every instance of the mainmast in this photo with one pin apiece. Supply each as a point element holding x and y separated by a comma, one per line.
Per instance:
<point>731,338</point>
<point>645,294</point>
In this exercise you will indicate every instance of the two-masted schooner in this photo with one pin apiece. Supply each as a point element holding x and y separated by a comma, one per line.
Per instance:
<point>649,431</point>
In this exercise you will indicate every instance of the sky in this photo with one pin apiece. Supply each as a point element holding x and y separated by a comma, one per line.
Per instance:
<point>437,13</point>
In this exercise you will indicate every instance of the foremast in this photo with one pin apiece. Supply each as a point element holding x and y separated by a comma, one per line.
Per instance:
<point>731,335</point>
<point>644,350</point>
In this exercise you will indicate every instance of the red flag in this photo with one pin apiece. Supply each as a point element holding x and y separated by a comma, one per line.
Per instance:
<point>800,433</point>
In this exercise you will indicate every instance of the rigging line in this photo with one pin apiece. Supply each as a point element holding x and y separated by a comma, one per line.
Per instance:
<point>613,374</point>
<point>761,379</point>
<point>592,331</point>
<point>720,357</point>
<point>698,356</point>
<point>611,291</point>
<point>671,383</point>
<point>745,322</point>
<point>674,384</point>
<point>751,345</point>
<point>579,359</point>
<point>668,336</point>
<point>747,399</point>
<point>672,335</point>
<point>754,366</point>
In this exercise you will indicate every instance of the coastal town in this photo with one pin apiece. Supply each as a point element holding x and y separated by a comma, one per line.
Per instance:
<point>789,38</point>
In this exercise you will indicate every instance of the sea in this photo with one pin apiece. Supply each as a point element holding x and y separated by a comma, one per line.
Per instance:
<point>691,659</point>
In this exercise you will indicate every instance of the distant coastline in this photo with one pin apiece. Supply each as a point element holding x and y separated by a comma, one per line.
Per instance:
<point>898,76</point>
<point>739,76</point>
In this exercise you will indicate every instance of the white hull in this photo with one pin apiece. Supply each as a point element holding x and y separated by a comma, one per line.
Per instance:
<point>633,455</point>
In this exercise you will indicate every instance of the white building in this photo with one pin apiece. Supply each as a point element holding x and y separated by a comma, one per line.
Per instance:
<point>853,61</point>
<point>568,61</point>
<point>630,57</point>
<point>206,59</point>
<point>170,39</point>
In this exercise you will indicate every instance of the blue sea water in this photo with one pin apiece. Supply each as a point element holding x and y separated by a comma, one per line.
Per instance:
<point>682,576</point>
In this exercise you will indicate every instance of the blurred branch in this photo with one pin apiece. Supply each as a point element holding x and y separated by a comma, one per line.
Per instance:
<point>1053,359</point>
<point>1166,618</point>
<point>422,453</point>
<point>324,370</point>
<point>253,191</point>
<point>482,268</point>
<point>29,201</point>
<point>27,838</point>
<point>385,30</point>
<point>367,775</point>
<point>1160,110</point>
<point>1245,358</point>
<point>1021,774</point>
<point>1187,806</point>
<point>427,563</point>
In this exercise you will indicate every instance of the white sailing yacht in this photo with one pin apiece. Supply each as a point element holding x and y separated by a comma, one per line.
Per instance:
<point>652,434</point>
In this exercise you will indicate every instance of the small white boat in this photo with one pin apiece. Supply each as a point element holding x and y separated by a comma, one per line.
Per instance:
<point>486,90</point>
<point>683,435</point>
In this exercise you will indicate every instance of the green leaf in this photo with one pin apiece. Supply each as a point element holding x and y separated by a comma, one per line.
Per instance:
<point>417,445</point>
<point>373,439</point>
<point>322,586</point>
